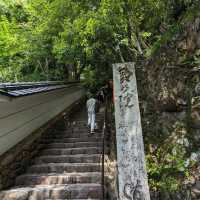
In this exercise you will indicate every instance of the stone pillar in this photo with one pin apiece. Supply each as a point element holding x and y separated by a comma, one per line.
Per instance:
<point>133,183</point>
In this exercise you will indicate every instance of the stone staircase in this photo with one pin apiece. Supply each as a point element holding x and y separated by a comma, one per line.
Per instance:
<point>68,168</point>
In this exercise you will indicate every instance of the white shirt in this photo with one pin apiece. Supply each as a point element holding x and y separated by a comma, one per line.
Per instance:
<point>91,105</point>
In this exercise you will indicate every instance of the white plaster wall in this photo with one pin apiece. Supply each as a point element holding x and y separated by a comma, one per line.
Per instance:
<point>21,116</point>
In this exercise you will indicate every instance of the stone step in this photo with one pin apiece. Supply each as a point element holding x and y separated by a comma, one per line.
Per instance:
<point>64,168</point>
<point>49,179</point>
<point>69,131</point>
<point>75,126</point>
<point>79,158</point>
<point>74,145</point>
<point>71,135</point>
<point>78,199</point>
<point>54,192</point>
<point>74,199</point>
<point>73,122</point>
<point>72,140</point>
<point>72,151</point>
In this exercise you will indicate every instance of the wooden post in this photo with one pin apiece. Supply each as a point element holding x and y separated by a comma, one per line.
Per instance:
<point>133,183</point>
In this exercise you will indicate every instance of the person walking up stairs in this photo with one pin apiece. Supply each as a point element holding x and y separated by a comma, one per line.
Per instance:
<point>68,168</point>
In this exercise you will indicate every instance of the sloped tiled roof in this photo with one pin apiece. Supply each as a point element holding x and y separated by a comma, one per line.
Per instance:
<point>24,89</point>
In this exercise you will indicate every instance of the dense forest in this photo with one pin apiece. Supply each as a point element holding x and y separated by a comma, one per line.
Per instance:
<point>63,40</point>
<point>59,40</point>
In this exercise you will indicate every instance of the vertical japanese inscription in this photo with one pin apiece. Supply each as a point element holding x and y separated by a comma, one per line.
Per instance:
<point>133,183</point>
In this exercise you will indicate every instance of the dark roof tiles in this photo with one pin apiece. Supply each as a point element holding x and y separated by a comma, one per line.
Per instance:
<point>17,90</point>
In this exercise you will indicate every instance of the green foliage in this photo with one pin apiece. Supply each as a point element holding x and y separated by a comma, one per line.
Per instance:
<point>12,48</point>
<point>167,170</point>
<point>42,39</point>
<point>168,164</point>
<point>69,39</point>
<point>89,78</point>
<point>163,39</point>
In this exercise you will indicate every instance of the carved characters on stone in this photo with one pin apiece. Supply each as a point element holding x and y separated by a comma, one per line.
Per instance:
<point>132,176</point>
<point>132,191</point>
